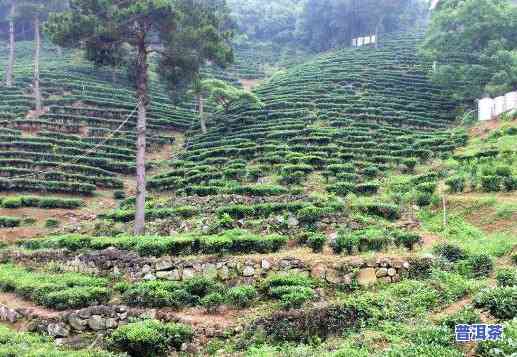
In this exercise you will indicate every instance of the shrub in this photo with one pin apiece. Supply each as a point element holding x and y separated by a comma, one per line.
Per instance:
<point>514,258</point>
<point>510,184</point>
<point>384,210</point>
<point>456,184</point>
<point>467,315</point>
<point>51,223</point>
<point>491,183</point>
<point>423,199</point>
<point>346,241</point>
<point>477,266</point>
<point>119,195</point>
<point>212,301</point>
<point>506,277</point>
<point>368,188</point>
<point>316,241</point>
<point>407,240</point>
<point>341,188</point>
<point>426,187</point>
<point>297,298</point>
<point>9,222</point>
<point>241,296</point>
<point>149,338</point>
<point>500,301</point>
<point>292,279</point>
<point>73,298</point>
<point>450,252</point>
<point>503,170</point>
<point>506,346</point>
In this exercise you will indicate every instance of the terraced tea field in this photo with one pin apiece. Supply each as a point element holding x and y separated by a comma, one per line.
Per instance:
<point>85,139</point>
<point>347,215</point>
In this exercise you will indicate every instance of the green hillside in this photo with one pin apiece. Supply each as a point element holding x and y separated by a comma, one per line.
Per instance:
<point>86,136</point>
<point>350,214</point>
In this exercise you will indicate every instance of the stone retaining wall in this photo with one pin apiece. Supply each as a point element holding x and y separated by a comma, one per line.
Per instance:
<point>232,269</point>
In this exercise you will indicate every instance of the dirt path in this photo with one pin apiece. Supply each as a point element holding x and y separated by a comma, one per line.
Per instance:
<point>15,302</point>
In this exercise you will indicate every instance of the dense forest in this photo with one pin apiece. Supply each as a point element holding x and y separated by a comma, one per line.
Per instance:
<point>258,178</point>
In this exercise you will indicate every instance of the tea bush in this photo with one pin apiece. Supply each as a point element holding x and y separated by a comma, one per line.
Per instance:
<point>149,338</point>
<point>501,302</point>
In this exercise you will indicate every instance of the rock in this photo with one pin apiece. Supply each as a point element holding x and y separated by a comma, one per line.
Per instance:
<point>392,272</point>
<point>366,277</point>
<point>348,279</point>
<point>210,271</point>
<point>223,273</point>
<point>97,323</point>
<point>169,275</point>
<point>292,221</point>
<point>405,265</point>
<point>318,271</point>
<point>332,276</point>
<point>77,323</point>
<point>371,262</point>
<point>356,262</point>
<point>381,272</point>
<point>58,329</point>
<point>149,276</point>
<point>248,271</point>
<point>188,273</point>
<point>164,263</point>
<point>265,264</point>
<point>111,323</point>
<point>146,269</point>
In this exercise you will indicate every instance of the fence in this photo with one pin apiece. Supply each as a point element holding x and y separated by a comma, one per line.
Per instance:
<point>489,108</point>
<point>362,41</point>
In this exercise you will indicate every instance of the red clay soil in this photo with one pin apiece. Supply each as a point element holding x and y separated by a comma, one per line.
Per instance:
<point>15,302</point>
<point>482,129</point>
<point>249,84</point>
<point>198,317</point>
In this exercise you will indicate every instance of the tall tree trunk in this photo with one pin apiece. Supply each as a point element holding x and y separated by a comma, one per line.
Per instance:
<point>201,110</point>
<point>141,92</point>
<point>10,62</point>
<point>37,48</point>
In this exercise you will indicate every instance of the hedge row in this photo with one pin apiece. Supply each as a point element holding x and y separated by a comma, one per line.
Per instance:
<point>60,291</point>
<point>40,202</point>
<point>234,241</point>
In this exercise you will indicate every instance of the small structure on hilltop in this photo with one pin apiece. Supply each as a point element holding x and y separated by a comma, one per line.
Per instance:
<point>489,108</point>
<point>363,41</point>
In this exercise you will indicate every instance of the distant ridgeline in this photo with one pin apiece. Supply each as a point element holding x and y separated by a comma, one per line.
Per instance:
<point>69,145</point>
<point>350,115</point>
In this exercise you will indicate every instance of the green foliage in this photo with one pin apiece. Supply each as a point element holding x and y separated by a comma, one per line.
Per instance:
<point>212,301</point>
<point>477,265</point>
<point>150,338</point>
<point>241,296</point>
<point>506,277</point>
<point>40,202</point>
<point>505,346</point>
<point>159,293</point>
<point>51,223</point>
<point>449,251</point>
<point>501,302</point>
<point>316,241</point>
<point>232,241</point>
<point>25,344</point>
<point>471,65</point>
<point>456,184</point>
<point>467,315</point>
<point>9,222</point>
<point>59,291</point>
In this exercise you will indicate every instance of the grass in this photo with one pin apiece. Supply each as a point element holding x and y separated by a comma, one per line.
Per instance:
<point>470,238</point>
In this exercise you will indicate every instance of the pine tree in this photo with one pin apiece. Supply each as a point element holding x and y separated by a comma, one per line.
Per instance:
<point>171,30</point>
